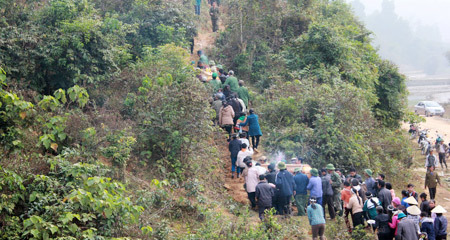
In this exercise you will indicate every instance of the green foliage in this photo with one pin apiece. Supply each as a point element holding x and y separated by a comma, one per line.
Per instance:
<point>71,202</point>
<point>119,149</point>
<point>328,124</point>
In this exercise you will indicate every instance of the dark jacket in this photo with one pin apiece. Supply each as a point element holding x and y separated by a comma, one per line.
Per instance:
<point>371,186</point>
<point>254,129</point>
<point>285,184</point>
<point>236,105</point>
<point>301,182</point>
<point>425,207</point>
<point>271,177</point>
<point>428,227</point>
<point>264,194</point>
<point>385,198</point>
<point>234,147</point>
<point>326,186</point>
<point>440,226</point>
<point>382,223</point>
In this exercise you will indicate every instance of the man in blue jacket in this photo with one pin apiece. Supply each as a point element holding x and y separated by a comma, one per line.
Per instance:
<point>301,192</point>
<point>315,186</point>
<point>285,187</point>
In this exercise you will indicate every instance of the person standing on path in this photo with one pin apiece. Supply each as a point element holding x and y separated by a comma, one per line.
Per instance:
<point>251,180</point>
<point>203,59</point>
<point>214,13</point>
<point>336,186</point>
<point>285,187</point>
<point>264,194</point>
<point>370,182</point>
<point>226,118</point>
<point>234,147</point>
<point>442,148</point>
<point>215,83</point>
<point>216,105</point>
<point>370,206</point>
<point>406,229</point>
<point>254,130</point>
<point>355,205</point>
<point>316,219</point>
<point>242,91</point>
<point>232,81</point>
<point>440,223</point>
<point>197,6</point>
<point>431,181</point>
<point>431,160</point>
<point>315,186</point>
<point>327,194</point>
<point>346,194</point>
<point>384,195</point>
<point>301,192</point>
<point>245,152</point>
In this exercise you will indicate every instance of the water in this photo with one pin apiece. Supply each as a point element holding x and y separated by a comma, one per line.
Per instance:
<point>428,88</point>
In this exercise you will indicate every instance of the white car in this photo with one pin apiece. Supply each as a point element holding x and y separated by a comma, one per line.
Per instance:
<point>429,108</point>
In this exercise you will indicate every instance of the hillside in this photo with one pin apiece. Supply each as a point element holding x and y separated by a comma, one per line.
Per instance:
<point>106,130</point>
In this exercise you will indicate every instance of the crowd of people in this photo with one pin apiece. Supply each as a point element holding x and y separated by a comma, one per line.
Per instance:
<point>362,201</point>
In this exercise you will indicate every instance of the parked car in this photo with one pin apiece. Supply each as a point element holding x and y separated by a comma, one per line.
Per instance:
<point>429,108</point>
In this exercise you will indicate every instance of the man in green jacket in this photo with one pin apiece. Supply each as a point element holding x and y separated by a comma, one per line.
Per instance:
<point>232,82</point>
<point>203,59</point>
<point>431,181</point>
<point>243,93</point>
<point>214,13</point>
<point>336,186</point>
<point>215,83</point>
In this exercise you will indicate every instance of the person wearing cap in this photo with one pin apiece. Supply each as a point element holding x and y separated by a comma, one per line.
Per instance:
<point>242,154</point>
<point>336,186</point>
<point>285,187</point>
<point>301,191</point>
<point>315,186</point>
<point>427,226</point>
<point>346,194</point>
<point>370,182</point>
<point>382,224</point>
<point>431,181</point>
<point>355,205</point>
<point>370,206</point>
<point>254,129</point>
<point>316,219</point>
<point>215,83</point>
<point>232,81</point>
<point>384,195</point>
<point>234,146</point>
<point>327,198</point>
<point>396,202</point>
<point>440,223</point>
<point>251,180</point>
<point>242,91</point>
<point>272,174</point>
<point>264,194</point>
<point>406,229</point>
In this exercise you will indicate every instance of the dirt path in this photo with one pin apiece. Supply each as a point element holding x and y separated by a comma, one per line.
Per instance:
<point>441,126</point>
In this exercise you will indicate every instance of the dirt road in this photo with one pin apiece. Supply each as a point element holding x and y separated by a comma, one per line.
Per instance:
<point>441,126</point>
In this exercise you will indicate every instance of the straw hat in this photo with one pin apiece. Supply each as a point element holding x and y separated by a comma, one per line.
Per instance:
<point>438,209</point>
<point>411,201</point>
<point>413,210</point>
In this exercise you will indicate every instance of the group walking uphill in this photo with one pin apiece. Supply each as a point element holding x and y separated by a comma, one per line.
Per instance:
<point>213,12</point>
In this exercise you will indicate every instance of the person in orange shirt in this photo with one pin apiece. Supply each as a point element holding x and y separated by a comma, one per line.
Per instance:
<point>346,194</point>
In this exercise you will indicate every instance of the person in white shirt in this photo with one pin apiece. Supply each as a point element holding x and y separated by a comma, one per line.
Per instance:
<point>245,152</point>
<point>243,139</point>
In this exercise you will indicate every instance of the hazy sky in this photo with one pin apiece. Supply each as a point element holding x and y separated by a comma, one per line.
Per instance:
<point>427,12</point>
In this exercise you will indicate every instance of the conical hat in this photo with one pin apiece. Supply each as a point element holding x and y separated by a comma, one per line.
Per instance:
<point>412,201</point>
<point>413,210</point>
<point>438,209</point>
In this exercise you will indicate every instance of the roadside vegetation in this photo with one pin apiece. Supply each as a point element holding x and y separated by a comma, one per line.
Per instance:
<point>105,131</point>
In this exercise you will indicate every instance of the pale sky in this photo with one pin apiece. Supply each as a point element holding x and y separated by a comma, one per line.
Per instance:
<point>427,12</point>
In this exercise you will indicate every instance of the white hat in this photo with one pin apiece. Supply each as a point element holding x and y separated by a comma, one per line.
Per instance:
<point>439,209</point>
<point>413,210</point>
<point>411,201</point>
